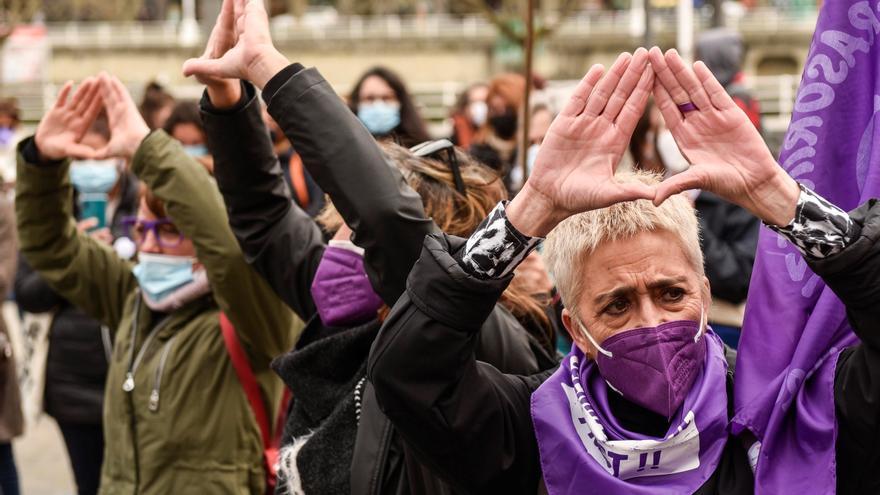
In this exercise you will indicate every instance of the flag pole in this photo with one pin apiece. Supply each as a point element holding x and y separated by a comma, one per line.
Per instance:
<point>529,48</point>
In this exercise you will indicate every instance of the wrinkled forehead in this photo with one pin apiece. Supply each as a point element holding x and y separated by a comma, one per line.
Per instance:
<point>648,259</point>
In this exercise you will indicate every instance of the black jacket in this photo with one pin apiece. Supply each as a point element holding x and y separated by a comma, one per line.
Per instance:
<point>729,238</point>
<point>472,422</point>
<point>76,365</point>
<point>285,246</point>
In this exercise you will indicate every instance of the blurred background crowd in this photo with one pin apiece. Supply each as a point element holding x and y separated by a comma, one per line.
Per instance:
<point>411,70</point>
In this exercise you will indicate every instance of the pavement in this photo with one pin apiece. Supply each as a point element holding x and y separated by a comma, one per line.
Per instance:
<point>43,468</point>
<point>40,455</point>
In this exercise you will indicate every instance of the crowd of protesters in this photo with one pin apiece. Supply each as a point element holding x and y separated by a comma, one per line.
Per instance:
<point>280,289</point>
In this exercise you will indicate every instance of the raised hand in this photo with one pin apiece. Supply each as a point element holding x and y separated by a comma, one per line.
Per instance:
<point>60,133</point>
<point>127,127</point>
<point>574,170</point>
<point>240,46</point>
<point>726,152</point>
<point>224,93</point>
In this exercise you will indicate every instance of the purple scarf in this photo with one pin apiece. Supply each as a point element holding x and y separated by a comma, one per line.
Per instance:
<point>584,450</point>
<point>795,327</point>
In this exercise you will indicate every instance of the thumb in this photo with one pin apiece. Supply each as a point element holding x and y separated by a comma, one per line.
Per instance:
<point>631,191</point>
<point>102,153</point>
<point>693,178</point>
<point>81,152</point>
<point>206,67</point>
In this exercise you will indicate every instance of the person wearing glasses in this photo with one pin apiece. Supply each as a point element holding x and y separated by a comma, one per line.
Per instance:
<point>384,201</point>
<point>175,415</point>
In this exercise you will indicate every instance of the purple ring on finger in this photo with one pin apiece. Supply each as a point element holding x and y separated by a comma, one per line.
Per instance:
<point>687,107</point>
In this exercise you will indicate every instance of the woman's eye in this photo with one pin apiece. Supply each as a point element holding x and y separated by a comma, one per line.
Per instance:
<point>617,307</point>
<point>168,229</point>
<point>673,294</point>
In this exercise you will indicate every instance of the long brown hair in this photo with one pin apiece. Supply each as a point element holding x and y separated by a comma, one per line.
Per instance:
<point>411,130</point>
<point>460,214</point>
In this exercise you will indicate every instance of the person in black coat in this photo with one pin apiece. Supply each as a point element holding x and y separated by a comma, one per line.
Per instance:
<point>645,371</point>
<point>336,440</point>
<point>76,368</point>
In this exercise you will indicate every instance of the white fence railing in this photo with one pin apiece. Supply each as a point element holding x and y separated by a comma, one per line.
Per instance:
<point>583,24</point>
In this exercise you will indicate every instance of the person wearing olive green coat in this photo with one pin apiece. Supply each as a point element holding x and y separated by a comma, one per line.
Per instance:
<point>186,425</point>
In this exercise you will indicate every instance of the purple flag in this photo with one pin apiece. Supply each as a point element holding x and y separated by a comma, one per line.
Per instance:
<point>795,327</point>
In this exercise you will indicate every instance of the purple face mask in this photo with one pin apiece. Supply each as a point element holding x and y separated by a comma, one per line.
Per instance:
<point>653,367</point>
<point>341,290</point>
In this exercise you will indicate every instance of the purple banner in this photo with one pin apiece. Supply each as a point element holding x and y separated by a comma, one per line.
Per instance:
<point>795,327</point>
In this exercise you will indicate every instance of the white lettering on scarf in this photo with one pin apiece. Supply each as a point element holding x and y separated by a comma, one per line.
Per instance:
<point>627,459</point>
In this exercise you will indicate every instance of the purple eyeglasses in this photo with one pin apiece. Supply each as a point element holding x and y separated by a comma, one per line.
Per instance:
<point>163,230</point>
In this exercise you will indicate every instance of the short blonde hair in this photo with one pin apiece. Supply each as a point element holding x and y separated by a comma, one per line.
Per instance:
<point>574,239</point>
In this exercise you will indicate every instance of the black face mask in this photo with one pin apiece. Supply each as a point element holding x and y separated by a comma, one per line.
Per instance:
<point>504,124</point>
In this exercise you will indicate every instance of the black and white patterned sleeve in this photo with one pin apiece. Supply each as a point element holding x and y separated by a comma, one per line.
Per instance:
<point>819,228</point>
<point>496,248</point>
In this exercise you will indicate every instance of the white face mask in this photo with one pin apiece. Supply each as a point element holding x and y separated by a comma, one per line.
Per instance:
<point>347,245</point>
<point>531,156</point>
<point>671,156</point>
<point>479,112</point>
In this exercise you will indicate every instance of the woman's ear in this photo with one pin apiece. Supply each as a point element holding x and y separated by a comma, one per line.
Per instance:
<point>577,335</point>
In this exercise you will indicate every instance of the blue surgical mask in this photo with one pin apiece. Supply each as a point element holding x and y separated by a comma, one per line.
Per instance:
<point>93,176</point>
<point>380,118</point>
<point>160,275</point>
<point>196,150</point>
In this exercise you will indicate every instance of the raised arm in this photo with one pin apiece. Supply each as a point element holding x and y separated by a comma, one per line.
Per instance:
<point>268,225</point>
<point>83,271</point>
<point>437,403</point>
<point>194,204</point>
<point>372,196</point>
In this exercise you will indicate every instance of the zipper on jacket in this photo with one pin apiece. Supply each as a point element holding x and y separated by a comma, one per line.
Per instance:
<point>157,381</point>
<point>128,384</point>
<point>135,361</point>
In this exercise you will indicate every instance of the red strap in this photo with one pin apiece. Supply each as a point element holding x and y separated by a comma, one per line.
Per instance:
<point>298,179</point>
<point>252,391</point>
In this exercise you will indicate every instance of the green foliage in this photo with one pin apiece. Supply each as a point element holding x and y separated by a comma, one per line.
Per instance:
<point>18,11</point>
<point>92,10</point>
